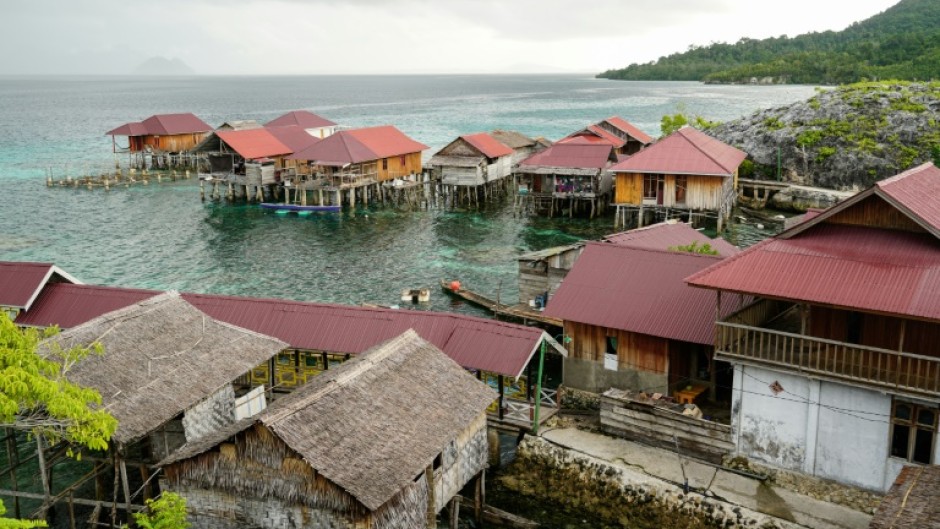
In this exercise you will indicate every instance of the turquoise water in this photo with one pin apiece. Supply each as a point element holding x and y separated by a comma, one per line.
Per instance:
<point>162,236</point>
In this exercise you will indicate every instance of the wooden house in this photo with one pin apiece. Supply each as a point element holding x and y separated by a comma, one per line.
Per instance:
<point>361,159</point>
<point>21,284</point>
<point>567,175</point>
<point>239,124</point>
<point>472,160</point>
<point>625,137</point>
<point>316,126</point>
<point>161,133</point>
<point>522,146</point>
<point>684,173</point>
<point>247,160</point>
<point>161,376</point>
<point>632,323</point>
<point>834,329</point>
<point>385,440</point>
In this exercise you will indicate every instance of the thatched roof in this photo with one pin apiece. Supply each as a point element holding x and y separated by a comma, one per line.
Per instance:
<point>912,501</point>
<point>513,139</point>
<point>375,422</point>
<point>162,356</point>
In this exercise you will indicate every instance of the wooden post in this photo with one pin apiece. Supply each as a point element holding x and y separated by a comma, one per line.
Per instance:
<point>479,497</point>
<point>454,511</point>
<point>127,488</point>
<point>432,501</point>
<point>13,457</point>
<point>44,477</point>
<point>500,389</point>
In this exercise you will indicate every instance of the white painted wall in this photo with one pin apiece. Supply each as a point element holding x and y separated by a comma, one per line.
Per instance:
<point>814,427</point>
<point>321,132</point>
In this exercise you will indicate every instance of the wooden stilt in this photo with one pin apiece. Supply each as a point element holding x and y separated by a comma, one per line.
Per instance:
<point>454,511</point>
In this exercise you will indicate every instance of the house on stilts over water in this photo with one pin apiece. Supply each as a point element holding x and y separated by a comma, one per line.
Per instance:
<point>626,138</point>
<point>570,176</point>
<point>688,174</point>
<point>368,165</point>
<point>470,164</point>
<point>833,332</point>
<point>160,141</point>
<point>314,125</point>
<point>384,441</point>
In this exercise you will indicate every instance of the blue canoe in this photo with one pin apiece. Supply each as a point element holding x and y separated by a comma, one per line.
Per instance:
<point>299,209</point>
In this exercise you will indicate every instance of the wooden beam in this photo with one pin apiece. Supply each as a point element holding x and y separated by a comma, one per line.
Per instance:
<point>77,501</point>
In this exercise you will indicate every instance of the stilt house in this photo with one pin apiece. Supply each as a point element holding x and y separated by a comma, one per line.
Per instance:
<point>521,145</point>
<point>161,133</point>
<point>626,138</point>
<point>685,172</point>
<point>472,160</point>
<point>250,160</point>
<point>632,323</point>
<point>316,126</point>
<point>384,441</point>
<point>567,174</point>
<point>833,336</point>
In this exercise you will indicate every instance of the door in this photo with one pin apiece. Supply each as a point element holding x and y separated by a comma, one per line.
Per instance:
<point>660,190</point>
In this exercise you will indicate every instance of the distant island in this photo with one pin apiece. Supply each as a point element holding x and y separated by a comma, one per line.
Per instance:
<point>903,42</point>
<point>163,66</point>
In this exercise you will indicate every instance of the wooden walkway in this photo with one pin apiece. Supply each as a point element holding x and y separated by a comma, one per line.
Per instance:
<point>518,311</point>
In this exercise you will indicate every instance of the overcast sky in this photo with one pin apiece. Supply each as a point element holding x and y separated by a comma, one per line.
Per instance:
<point>390,36</point>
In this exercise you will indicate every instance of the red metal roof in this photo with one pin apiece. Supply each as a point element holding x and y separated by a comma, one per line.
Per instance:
<point>163,125</point>
<point>294,137</point>
<point>474,343</point>
<point>360,145</point>
<point>664,235</point>
<point>855,267</point>
<point>302,118</point>
<point>686,151</point>
<point>252,144</point>
<point>588,139</point>
<point>487,145</point>
<point>629,128</point>
<point>917,191</point>
<point>638,290</point>
<point>574,155</point>
<point>21,283</point>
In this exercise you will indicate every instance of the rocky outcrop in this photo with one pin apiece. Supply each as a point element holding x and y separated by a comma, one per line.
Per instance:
<point>844,138</point>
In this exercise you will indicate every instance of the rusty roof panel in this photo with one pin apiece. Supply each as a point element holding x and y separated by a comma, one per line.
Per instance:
<point>638,290</point>
<point>855,267</point>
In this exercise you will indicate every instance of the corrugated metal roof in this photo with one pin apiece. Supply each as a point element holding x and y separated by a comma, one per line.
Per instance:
<point>294,137</point>
<point>360,145</point>
<point>665,235</point>
<point>163,125</point>
<point>916,190</point>
<point>686,151</point>
<point>302,118</point>
<point>638,290</point>
<point>252,144</point>
<point>586,138</point>
<point>474,343</point>
<point>22,283</point>
<point>488,145</point>
<point>573,155</point>
<point>629,128</point>
<point>855,267</point>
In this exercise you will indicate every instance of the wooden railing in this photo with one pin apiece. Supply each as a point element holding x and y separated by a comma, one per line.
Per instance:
<point>858,364</point>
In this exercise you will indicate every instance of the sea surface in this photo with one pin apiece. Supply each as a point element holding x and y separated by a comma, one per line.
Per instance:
<point>163,237</point>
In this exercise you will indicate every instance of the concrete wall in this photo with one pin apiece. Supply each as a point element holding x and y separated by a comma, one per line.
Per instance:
<point>590,375</point>
<point>210,415</point>
<point>824,429</point>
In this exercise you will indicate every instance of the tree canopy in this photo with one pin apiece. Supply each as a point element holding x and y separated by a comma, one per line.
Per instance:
<point>903,42</point>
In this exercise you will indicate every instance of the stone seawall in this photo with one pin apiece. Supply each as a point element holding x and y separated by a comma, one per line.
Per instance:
<point>620,497</point>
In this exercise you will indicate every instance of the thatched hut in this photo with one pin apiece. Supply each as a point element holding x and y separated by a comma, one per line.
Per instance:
<point>383,441</point>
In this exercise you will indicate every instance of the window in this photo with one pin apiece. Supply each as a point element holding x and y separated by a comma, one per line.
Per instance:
<point>650,184</point>
<point>610,354</point>
<point>385,164</point>
<point>913,428</point>
<point>402,161</point>
<point>682,182</point>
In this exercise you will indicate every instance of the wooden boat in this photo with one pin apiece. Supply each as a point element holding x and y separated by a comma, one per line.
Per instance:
<point>299,209</point>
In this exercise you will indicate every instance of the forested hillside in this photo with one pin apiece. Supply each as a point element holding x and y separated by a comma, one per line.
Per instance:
<point>903,42</point>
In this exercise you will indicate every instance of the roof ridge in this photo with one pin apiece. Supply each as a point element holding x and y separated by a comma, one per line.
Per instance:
<point>655,250</point>
<point>901,176</point>
<point>700,149</point>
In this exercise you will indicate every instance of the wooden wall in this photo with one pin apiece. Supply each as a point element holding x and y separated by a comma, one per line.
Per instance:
<point>174,143</point>
<point>394,168</point>
<point>875,212</point>
<point>634,351</point>
<point>702,192</point>
<point>920,337</point>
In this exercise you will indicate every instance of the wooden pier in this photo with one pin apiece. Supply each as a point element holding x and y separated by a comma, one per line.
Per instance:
<point>118,178</point>
<point>518,311</point>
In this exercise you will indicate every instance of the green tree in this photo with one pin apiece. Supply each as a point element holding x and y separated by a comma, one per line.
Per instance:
<point>166,512</point>
<point>35,395</point>
<point>705,249</point>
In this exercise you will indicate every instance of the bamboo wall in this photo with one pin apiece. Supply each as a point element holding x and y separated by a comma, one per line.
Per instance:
<point>702,192</point>
<point>875,212</point>
<point>884,332</point>
<point>391,168</point>
<point>173,143</point>
<point>634,351</point>
<point>461,461</point>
